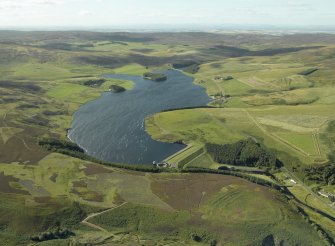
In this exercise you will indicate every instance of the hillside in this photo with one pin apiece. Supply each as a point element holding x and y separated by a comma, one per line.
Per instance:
<point>279,96</point>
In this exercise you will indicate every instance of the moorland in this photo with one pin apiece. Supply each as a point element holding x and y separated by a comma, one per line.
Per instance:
<point>258,168</point>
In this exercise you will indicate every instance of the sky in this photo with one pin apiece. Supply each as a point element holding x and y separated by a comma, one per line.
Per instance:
<point>145,13</point>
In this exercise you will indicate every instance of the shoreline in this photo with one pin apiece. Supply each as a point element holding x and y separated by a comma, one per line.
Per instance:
<point>143,126</point>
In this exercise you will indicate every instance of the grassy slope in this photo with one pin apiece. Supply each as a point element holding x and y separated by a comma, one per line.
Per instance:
<point>227,211</point>
<point>269,100</point>
<point>152,200</point>
<point>292,127</point>
<point>45,177</point>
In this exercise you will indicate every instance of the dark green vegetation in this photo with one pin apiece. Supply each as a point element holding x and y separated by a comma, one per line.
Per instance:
<point>155,76</point>
<point>94,82</point>
<point>231,51</point>
<point>24,87</point>
<point>323,175</point>
<point>187,66</point>
<point>228,78</point>
<point>116,88</point>
<point>242,153</point>
<point>184,64</point>
<point>51,235</point>
<point>191,69</point>
<point>276,90</point>
<point>329,138</point>
<point>73,150</point>
<point>308,71</point>
<point>60,145</point>
<point>21,223</point>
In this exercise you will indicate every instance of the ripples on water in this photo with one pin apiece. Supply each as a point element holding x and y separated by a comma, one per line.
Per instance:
<point>112,129</point>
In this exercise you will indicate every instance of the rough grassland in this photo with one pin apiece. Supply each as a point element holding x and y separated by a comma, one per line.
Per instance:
<point>216,198</point>
<point>42,84</point>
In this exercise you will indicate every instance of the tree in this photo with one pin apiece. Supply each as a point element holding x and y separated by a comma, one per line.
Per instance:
<point>244,153</point>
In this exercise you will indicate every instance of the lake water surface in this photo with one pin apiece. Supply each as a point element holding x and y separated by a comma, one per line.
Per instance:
<point>112,129</point>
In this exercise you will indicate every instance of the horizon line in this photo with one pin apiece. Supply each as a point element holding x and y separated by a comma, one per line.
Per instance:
<point>178,28</point>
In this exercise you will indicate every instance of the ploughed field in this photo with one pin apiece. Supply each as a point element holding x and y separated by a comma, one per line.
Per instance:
<point>275,90</point>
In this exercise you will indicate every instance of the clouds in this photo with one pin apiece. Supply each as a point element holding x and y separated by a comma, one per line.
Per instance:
<point>16,4</point>
<point>45,1</point>
<point>298,4</point>
<point>176,12</point>
<point>30,2</point>
<point>86,13</point>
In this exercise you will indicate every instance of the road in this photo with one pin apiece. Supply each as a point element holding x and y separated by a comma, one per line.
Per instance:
<point>295,178</point>
<point>85,221</point>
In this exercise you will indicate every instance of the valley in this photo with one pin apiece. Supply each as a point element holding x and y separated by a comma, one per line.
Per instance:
<point>274,91</point>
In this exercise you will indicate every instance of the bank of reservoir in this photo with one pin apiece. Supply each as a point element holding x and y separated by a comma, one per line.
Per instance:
<point>112,128</point>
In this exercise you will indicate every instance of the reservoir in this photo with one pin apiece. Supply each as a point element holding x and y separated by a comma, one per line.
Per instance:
<point>112,128</point>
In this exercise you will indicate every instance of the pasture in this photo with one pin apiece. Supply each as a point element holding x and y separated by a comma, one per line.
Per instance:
<point>269,99</point>
<point>299,139</point>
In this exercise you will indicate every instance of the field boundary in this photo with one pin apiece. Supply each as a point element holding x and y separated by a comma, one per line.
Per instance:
<point>204,153</point>
<point>178,153</point>
<point>178,159</point>
<point>276,137</point>
<point>316,143</point>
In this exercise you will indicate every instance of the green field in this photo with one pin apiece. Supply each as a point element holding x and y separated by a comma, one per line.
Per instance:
<point>229,125</point>
<point>185,156</point>
<point>47,76</point>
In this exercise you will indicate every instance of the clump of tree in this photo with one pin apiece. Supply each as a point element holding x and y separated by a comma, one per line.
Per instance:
<point>228,78</point>
<point>242,153</point>
<point>51,235</point>
<point>329,138</point>
<point>56,145</point>
<point>192,69</point>
<point>155,76</point>
<point>94,82</point>
<point>72,149</point>
<point>202,236</point>
<point>116,88</point>
<point>321,174</point>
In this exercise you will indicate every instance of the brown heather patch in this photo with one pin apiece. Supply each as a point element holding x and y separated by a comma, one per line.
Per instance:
<point>188,191</point>
<point>79,184</point>
<point>5,185</point>
<point>23,147</point>
<point>118,199</point>
<point>93,196</point>
<point>80,188</point>
<point>43,199</point>
<point>92,169</point>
